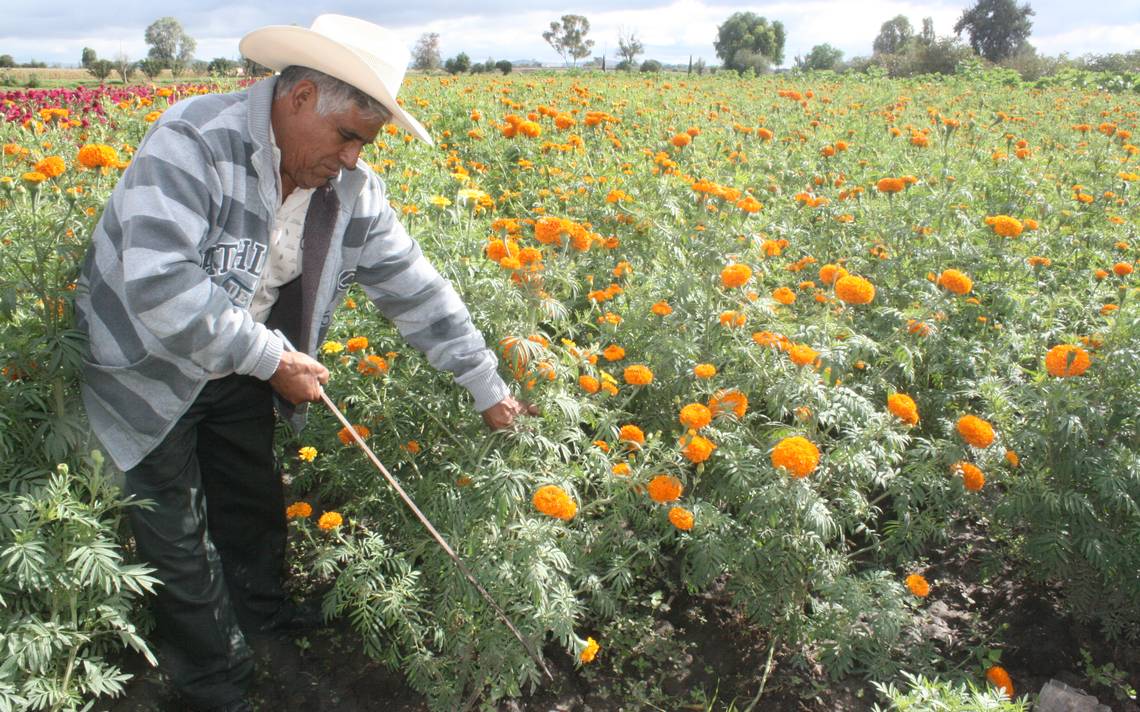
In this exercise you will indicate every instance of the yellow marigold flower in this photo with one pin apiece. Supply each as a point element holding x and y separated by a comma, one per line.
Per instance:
<point>52,166</point>
<point>1005,225</point>
<point>854,290</point>
<point>553,501</point>
<point>330,520</point>
<point>999,678</point>
<point>372,365</point>
<point>956,281</point>
<point>695,416</point>
<point>728,401</point>
<point>298,510</point>
<point>97,155</point>
<point>972,477</point>
<point>681,518</point>
<point>357,343</point>
<point>975,431</point>
<point>918,585</point>
<point>307,453</point>
<point>704,370</point>
<point>802,354</point>
<point>345,435</point>
<point>589,384</point>
<point>621,469</point>
<point>332,347</point>
<point>796,454</point>
<point>784,296</point>
<point>696,448</point>
<point>638,375</point>
<point>33,177</point>
<point>1012,458</point>
<point>662,308</point>
<point>665,488</point>
<point>631,434</point>
<point>613,352</point>
<point>735,275</point>
<point>590,651</point>
<point>903,408</point>
<point>1066,360</point>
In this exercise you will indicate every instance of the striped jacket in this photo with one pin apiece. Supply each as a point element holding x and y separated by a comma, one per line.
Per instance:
<point>179,250</point>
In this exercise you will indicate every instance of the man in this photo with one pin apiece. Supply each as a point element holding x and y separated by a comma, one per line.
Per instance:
<point>241,214</point>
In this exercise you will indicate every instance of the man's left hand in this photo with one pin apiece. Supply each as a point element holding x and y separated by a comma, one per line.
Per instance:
<point>503,413</point>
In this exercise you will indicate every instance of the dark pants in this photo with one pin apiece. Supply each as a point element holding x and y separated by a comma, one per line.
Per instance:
<point>216,536</point>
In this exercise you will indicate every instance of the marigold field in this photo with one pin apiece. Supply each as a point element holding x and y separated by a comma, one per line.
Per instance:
<point>794,339</point>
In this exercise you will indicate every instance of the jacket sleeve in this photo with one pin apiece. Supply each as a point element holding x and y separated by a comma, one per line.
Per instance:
<point>424,306</point>
<point>165,204</point>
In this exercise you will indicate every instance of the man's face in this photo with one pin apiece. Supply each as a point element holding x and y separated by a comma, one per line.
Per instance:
<point>314,148</point>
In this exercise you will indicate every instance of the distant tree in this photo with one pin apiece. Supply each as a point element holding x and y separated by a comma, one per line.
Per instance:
<point>504,66</point>
<point>568,38</point>
<point>458,64</point>
<point>700,66</point>
<point>124,66</point>
<point>746,35</point>
<point>425,55</point>
<point>6,60</point>
<point>822,56</point>
<point>150,68</point>
<point>221,67</point>
<point>651,65</point>
<point>629,46</point>
<point>101,69</point>
<point>997,28</point>
<point>170,44</point>
<point>926,37</point>
<point>252,69</point>
<point>87,58</point>
<point>894,34</point>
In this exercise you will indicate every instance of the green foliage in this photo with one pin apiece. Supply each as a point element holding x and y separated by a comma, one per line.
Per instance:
<point>997,28</point>
<point>425,55</point>
<point>651,65</point>
<point>923,694</point>
<point>894,36</point>
<point>504,66</point>
<point>221,67</point>
<point>66,594</point>
<point>568,38</point>
<point>87,57</point>
<point>170,44</point>
<point>101,69</point>
<point>822,57</point>
<point>745,36</point>
<point>458,64</point>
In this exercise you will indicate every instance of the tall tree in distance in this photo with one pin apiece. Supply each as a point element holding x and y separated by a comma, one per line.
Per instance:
<point>170,44</point>
<point>629,47</point>
<point>568,38</point>
<point>425,55</point>
<point>997,28</point>
<point>822,56</point>
<point>87,57</point>
<point>745,36</point>
<point>894,34</point>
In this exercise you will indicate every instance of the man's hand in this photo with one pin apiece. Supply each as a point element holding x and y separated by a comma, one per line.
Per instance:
<point>298,378</point>
<point>503,413</point>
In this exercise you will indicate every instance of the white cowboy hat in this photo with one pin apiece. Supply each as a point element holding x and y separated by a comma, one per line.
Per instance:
<point>357,52</point>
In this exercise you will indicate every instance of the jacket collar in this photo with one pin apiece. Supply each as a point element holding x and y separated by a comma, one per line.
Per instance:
<point>264,163</point>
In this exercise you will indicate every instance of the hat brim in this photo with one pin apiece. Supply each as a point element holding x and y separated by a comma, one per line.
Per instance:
<point>279,46</point>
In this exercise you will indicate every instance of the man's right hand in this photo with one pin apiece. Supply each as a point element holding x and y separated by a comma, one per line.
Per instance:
<point>298,378</point>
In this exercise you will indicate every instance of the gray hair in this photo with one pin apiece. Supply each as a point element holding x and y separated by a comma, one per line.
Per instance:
<point>333,95</point>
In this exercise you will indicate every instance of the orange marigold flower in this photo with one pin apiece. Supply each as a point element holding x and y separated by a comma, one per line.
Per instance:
<point>632,434</point>
<point>854,290</point>
<point>695,416</point>
<point>704,370</point>
<point>638,375</point>
<point>999,678</point>
<point>972,477</point>
<point>735,275</point>
<point>372,365</point>
<point>1012,458</point>
<point>681,140</point>
<point>1121,269</point>
<point>345,435</point>
<point>796,454</point>
<point>728,401</point>
<point>662,308</point>
<point>1005,225</point>
<point>1066,360</point>
<point>590,651</point>
<point>975,431</point>
<point>97,155</point>
<point>589,384</point>
<point>918,585</point>
<point>52,166</point>
<point>802,354</point>
<point>784,296</point>
<point>357,343</point>
<point>890,185</point>
<point>330,520</point>
<point>665,488</point>
<point>548,230</point>
<point>613,352</point>
<point>829,273</point>
<point>621,469</point>
<point>956,281</point>
<point>681,518</point>
<point>903,408</point>
<point>553,501</point>
<point>297,510</point>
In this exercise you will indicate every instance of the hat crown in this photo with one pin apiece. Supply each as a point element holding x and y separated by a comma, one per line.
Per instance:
<point>377,46</point>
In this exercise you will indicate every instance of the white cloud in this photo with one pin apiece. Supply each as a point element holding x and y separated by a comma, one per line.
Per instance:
<point>1097,39</point>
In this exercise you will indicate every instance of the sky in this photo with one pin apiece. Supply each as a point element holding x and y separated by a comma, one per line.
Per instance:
<point>672,31</point>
